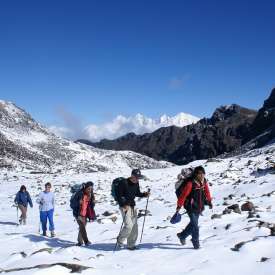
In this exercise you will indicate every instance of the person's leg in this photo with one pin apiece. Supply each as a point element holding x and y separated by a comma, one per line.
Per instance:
<point>131,240</point>
<point>128,225</point>
<point>195,230</point>
<point>43,219</point>
<point>187,231</point>
<point>24,214</point>
<point>50,217</point>
<point>82,234</point>
<point>21,207</point>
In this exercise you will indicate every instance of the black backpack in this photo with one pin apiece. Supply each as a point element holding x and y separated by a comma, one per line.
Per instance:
<point>116,182</point>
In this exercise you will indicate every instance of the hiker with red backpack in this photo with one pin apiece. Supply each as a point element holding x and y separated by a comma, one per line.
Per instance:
<point>124,192</point>
<point>193,195</point>
<point>82,204</point>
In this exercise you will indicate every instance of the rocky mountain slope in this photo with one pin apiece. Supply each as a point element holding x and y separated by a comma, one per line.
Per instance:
<point>262,130</point>
<point>26,144</point>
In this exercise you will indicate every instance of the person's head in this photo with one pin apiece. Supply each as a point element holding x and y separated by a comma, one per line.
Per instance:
<point>23,188</point>
<point>199,173</point>
<point>136,175</point>
<point>48,187</point>
<point>88,187</point>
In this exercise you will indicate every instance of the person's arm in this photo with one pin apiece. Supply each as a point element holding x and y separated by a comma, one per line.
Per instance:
<point>30,200</point>
<point>53,200</point>
<point>208,195</point>
<point>16,199</point>
<point>39,199</point>
<point>184,194</point>
<point>140,194</point>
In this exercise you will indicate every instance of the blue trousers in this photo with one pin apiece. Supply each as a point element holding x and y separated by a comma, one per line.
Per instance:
<point>192,228</point>
<point>44,217</point>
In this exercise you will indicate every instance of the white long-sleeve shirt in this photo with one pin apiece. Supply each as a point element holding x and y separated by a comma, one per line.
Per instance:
<point>45,201</point>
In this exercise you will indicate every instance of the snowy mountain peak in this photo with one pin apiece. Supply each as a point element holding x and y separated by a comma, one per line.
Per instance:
<point>180,120</point>
<point>138,124</point>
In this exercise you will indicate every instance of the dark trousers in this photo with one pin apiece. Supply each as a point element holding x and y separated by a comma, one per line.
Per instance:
<point>192,228</point>
<point>82,234</point>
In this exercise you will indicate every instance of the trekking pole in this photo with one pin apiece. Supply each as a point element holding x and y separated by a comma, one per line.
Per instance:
<point>120,230</point>
<point>144,216</point>
<point>17,215</point>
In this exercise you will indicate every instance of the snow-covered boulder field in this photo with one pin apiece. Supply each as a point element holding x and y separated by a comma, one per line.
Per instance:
<point>233,241</point>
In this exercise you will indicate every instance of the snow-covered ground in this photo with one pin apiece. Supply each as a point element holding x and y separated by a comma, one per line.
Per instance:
<point>233,180</point>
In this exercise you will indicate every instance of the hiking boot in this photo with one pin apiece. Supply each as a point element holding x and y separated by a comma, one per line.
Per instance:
<point>79,244</point>
<point>44,233</point>
<point>24,222</point>
<point>132,247</point>
<point>196,245</point>
<point>182,240</point>
<point>53,234</point>
<point>88,243</point>
<point>119,244</point>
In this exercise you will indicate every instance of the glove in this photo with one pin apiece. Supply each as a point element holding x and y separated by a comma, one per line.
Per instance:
<point>147,194</point>
<point>210,205</point>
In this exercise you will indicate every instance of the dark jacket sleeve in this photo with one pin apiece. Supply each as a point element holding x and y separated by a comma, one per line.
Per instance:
<point>122,194</point>
<point>16,198</point>
<point>30,200</point>
<point>140,194</point>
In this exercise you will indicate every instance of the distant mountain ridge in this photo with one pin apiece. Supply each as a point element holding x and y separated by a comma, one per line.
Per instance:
<point>231,128</point>
<point>138,124</point>
<point>207,138</point>
<point>26,144</point>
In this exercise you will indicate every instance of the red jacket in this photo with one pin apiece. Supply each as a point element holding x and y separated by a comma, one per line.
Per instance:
<point>199,190</point>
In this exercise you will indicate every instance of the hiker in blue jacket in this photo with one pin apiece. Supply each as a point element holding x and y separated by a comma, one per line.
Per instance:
<point>22,199</point>
<point>46,207</point>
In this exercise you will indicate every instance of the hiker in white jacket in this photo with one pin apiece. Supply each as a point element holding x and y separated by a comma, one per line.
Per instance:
<point>46,207</point>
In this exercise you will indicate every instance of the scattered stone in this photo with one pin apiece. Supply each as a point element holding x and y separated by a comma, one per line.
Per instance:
<point>248,206</point>
<point>251,215</point>
<point>227,211</point>
<point>264,259</point>
<point>47,249</point>
<point>235,208</point>
<point>107,214</point>
<point>227,226</point>
<point>216,216</point>
<point>22,253</point>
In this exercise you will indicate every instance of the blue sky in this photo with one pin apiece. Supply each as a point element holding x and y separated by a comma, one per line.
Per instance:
<point>98,59</point>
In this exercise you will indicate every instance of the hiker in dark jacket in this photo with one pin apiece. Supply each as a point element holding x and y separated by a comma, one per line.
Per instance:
<point>22,199</point>
<point>83,203</point>
<point>194,196</point>
<point>126,194</point>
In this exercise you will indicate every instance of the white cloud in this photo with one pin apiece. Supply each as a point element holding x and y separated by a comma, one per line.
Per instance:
<point>61,131</point>
<point>121,125</point>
